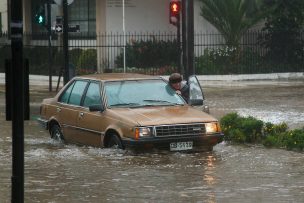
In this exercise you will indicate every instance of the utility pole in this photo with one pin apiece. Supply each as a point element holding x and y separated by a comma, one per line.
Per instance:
<point>174,19</point>
<point>188,37</point>
<point>49,24</point>
<point>66,75</point>
<point>178,39</point>
<point>16,28</point>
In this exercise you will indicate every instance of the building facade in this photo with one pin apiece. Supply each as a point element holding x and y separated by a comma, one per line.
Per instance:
<point>98,16</point>
<point>3,16</point>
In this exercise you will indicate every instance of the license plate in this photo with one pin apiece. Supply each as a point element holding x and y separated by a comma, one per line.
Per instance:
<point>179,146</point>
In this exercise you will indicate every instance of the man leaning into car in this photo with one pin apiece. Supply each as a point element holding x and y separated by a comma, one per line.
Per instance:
<point>175,81</point>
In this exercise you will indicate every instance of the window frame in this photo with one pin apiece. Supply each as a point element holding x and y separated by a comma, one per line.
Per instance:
<point>86,17</point>
<point>73,84</point>
<point>86,91</point>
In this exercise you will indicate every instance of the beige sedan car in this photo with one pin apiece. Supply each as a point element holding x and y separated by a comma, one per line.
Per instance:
<point>129,110</point>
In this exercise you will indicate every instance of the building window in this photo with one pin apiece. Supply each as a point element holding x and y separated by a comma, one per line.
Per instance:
<point>80,12</point>
<point>83,13</point>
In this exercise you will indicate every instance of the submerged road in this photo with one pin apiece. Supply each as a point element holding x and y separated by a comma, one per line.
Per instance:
<point>55,172</point>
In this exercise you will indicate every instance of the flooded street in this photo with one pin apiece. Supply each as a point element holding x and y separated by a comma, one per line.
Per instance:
<point>57,173</point>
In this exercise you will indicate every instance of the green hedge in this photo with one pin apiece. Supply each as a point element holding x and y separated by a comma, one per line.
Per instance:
<point>239,129</point>
<point>227,60</point>
<point>151,53</point>
<point>85,61</point>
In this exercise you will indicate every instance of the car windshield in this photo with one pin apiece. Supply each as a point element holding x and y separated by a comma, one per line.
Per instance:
<point>141,93</point>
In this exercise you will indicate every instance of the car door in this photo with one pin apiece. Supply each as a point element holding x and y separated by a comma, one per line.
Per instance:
<point>68,108</point>
<point>196,96</point>
<point>90,125</point>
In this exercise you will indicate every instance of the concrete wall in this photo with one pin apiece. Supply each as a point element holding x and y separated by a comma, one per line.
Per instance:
<point>140,16</point>
<point>3,11</point>
<point>147,16</point>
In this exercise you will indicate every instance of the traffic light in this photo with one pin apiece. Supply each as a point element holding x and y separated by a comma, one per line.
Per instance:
<point>40,16</point>
<point>175,8</point>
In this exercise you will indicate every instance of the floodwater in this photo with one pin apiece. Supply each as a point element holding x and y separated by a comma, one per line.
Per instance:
<point>57,173</point>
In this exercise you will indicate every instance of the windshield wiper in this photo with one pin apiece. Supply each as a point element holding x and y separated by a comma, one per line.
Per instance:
<point>125,104</point>
<point>161,101</point>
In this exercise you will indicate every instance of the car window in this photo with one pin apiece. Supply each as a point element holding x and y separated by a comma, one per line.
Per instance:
<point>77,92</point>
<point>141,93</point>
<point>93,95</point>
<point>195,89</point>
<point>64,98</point>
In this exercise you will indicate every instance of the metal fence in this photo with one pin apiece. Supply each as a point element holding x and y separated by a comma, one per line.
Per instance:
<point>152,53</point>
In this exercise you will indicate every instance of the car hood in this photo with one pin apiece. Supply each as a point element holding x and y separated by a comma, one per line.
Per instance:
<point>161,115</point>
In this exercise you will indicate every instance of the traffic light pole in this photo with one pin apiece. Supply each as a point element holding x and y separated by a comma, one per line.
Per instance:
<point>17,82</point>
<point>49,42</point>
<point>178,39</point>
<point>66,76</point>
<point>188,37</point>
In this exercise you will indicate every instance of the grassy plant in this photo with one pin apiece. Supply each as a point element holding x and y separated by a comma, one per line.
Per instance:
<point>239,129</point>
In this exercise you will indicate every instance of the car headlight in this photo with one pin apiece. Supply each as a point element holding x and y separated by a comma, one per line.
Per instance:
<point>143,132</point>
<point>212,127</point>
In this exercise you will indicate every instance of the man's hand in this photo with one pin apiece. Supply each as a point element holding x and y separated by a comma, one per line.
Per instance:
<point>178,92</point>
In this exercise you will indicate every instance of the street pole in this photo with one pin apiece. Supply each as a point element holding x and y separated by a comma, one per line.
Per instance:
<point>188,37</point>
<point>66,76</point>
<point>124,34</point>
<point>16,27</point>
<point>49,42</point>
<point>178,39</point>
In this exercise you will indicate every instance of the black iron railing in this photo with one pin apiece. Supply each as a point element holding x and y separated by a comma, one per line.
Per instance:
<point>153,53</point>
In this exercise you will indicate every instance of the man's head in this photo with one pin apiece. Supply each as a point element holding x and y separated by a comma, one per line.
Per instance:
<point>175,80</point>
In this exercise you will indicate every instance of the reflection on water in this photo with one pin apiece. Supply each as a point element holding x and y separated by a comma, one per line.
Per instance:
<point>55,172</point>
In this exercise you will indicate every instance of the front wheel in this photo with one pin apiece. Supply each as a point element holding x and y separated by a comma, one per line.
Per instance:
<point>115,142</point>
<point>56,133</point>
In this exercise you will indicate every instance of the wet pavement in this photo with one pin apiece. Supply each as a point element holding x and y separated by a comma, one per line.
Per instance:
<point>55,172</point>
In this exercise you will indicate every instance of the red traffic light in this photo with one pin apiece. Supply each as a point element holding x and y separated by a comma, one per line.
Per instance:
<point>174,17</point>
<point>174,7</point>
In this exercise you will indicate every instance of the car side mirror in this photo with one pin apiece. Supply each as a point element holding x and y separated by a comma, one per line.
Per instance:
<point>96,108</point>
<point>196,102</point>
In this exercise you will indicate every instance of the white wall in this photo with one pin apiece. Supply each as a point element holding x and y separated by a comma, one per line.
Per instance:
<point>140,16</point>
<point>147,16</point>
<point>200,24</point>
<point>3,11</point>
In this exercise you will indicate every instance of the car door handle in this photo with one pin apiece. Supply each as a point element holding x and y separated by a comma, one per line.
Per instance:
<point>58,110</point>
<point>81,114</point>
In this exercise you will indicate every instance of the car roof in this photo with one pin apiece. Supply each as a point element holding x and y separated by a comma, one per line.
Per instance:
<point>117,76</point>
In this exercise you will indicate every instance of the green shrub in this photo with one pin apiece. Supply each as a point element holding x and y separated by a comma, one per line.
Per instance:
<point>272,129</point>
<point>38,59</point>
<point>239,129</point>
<point>252,128</point>
<point>236,135</point>
<point>150,53</point>
<point>5,53</point>
<point>228,60</point>
<point>74,56</point>
<point>295,139</point>
<point>270,141</point>
<point>229,121</point>
<point>87,62</point>
<point>249,127</point>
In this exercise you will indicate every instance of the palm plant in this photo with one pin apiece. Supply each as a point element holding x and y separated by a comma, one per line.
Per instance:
<point>232,18</point>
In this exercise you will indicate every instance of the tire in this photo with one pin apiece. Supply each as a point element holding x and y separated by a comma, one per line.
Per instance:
<point>56,133</point>
<point>115,142</point>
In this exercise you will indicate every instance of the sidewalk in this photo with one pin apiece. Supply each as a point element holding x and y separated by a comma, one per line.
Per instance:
<point>37,80</point>
<point>206,80</point>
